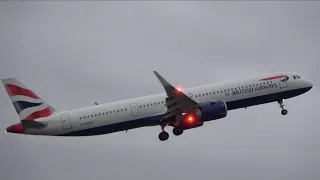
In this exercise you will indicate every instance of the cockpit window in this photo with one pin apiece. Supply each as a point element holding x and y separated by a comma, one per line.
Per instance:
<point>296,77</point>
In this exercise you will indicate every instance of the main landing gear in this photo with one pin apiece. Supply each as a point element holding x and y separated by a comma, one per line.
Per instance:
<point>283,111</point>
<point>163,136</point>
<point>177,131</point>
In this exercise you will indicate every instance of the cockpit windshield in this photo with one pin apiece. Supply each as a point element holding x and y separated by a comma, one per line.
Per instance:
<point>296,77</point>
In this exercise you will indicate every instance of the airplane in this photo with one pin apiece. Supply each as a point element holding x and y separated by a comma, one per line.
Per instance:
<point>181,109</point>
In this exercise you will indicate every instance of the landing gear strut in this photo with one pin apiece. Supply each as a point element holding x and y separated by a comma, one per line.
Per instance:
<point>283,111</point>
<point>163,136</point>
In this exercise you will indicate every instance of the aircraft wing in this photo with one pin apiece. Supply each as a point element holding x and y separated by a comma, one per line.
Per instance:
<point>177,102</point>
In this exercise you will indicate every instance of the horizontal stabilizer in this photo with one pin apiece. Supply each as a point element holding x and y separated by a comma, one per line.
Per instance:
<point>32,124</point>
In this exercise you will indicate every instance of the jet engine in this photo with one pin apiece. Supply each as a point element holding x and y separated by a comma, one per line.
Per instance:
<point>206,112</point>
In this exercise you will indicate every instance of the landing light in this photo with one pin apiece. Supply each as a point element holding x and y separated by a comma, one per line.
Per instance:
<point>190,119</point>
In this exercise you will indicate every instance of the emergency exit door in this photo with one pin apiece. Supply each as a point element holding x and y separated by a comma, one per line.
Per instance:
<point>134,109</point>
<point>66,123</point>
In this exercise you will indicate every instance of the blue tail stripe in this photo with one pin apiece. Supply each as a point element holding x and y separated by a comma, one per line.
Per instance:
<point>21,105</point>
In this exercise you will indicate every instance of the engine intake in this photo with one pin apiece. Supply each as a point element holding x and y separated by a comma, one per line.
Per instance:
<point>212,111</point>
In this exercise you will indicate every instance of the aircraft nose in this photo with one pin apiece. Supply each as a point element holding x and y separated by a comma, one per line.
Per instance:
<point>308,84</point>
<point>16,128</point>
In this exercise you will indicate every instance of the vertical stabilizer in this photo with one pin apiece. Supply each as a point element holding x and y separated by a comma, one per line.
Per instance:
<point>28,105</point>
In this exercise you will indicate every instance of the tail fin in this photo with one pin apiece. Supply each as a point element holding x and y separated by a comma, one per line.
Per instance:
<point>27,104</point>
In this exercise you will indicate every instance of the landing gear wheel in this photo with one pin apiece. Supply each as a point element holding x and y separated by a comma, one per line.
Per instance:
<point>284,112</point>
<point>163,136</point>
<point>177,131</point>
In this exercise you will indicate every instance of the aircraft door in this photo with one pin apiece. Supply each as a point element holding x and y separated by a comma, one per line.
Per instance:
<point>66,123</point>
<point>283,81</point>
<point>134,109</point>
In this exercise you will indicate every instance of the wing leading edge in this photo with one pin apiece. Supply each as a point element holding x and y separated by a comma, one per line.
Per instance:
<point>177,102</point>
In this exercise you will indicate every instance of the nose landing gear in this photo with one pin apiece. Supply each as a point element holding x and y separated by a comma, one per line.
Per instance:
<point>283,111</point>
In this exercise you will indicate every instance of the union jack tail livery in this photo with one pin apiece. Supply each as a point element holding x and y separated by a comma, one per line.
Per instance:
<point>28,105</point>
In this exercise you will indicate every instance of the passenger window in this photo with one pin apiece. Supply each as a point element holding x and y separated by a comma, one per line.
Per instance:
<point>88,116</point>
<point>162,102</point>
<point>80,117</point>
<point>155,103</point>
<point>217,92</point>
<point>225,90</point>
<point>214,92</point>
<point>210,93</point>
<point>91,115</point>
<point>203,94</point>
<point>118,110</point>
<point>106,112</point>
<point>103,113</point>
<point>196,96</point>
<point>148,105</point>
<point>221,91</point>
<point>207,94</point>
<point>99,114</point>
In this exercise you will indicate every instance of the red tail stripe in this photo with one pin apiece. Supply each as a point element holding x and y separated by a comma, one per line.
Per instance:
<point>40,114</point>
<point>14,90</point>
<point>272,78</point>
<point>16,128</point>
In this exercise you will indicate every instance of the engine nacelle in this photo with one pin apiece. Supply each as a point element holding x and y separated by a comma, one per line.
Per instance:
<point>212,111</point>
<point>206,112</point>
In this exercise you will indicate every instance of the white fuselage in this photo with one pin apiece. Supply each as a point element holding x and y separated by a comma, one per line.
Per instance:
<point>147,110</point>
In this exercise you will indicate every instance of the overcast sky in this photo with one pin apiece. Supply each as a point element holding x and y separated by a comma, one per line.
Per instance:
<point>75,53</point>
